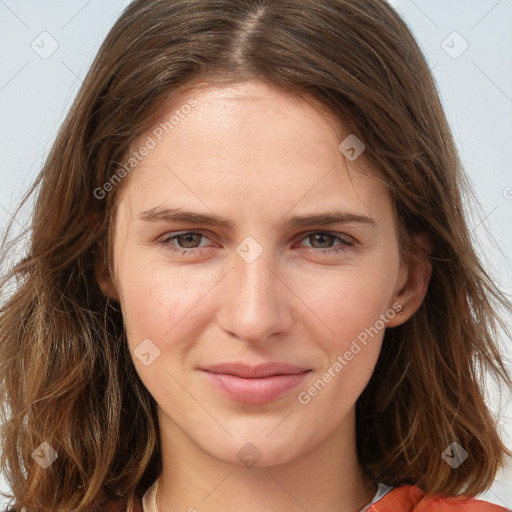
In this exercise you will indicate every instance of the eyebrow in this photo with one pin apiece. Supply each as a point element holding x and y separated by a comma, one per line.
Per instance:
<point>330,217</point>
<point>159,214</point>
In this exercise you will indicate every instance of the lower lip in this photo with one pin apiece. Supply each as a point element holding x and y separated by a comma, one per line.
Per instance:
<point>254,391</point>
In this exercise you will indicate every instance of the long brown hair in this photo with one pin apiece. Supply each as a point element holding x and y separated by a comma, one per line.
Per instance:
<point>66,376</point>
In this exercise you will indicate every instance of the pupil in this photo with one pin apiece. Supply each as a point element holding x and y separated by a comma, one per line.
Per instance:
<point>188,241</point>
<point>320,236</point>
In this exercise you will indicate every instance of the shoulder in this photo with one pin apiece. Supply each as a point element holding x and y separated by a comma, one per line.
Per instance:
<point>409,498</point>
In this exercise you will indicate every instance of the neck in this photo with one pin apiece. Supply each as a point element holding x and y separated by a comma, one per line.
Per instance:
<point>326,478</point>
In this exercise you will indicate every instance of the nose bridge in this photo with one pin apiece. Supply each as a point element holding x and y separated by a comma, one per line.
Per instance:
<point>255,303</point>
<point>256,281</point>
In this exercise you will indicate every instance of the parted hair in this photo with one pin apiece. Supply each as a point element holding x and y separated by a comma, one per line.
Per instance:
<point>66,374</point>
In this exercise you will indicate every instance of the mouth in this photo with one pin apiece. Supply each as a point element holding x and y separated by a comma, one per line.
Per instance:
<point>254,385</point>
<point>249,371</point>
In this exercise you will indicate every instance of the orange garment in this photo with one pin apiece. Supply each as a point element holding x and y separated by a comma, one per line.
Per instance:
<point>409,498</point>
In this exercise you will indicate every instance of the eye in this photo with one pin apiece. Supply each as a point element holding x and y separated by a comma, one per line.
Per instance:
<point>325,240</point>
<point>189,242</point>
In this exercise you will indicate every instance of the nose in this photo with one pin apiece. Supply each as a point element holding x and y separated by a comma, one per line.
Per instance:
<point>256,302</point>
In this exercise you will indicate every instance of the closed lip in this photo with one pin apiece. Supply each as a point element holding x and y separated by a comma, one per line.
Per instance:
<point>249,371</point>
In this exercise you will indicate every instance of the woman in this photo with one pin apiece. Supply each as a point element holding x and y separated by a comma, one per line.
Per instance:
<point>179,338</point>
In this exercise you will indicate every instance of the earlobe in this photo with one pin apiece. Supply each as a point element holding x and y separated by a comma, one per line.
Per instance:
<point>414,279</point>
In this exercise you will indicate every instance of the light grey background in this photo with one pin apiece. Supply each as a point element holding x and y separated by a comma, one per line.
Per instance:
<point>37,87</point>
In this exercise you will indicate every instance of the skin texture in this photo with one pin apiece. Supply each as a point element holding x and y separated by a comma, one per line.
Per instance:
<point>256,155</point>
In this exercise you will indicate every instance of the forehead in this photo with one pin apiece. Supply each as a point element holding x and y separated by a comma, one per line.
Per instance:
<point>251,145</point>
<point>241,116</point>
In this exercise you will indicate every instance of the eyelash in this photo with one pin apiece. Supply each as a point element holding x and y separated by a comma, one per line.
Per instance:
<point>166,242</point>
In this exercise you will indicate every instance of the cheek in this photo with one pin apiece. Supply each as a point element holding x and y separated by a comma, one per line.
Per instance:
<point>348,308</point>
<point>161,303</point>
<point>349,331</point>
<point>169,308</point>
<point>348,302</point>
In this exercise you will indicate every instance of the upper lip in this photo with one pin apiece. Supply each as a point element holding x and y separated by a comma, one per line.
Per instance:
<point>254,371</point>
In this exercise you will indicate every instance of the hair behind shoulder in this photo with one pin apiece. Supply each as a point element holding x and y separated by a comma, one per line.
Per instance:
<point>66,376</point>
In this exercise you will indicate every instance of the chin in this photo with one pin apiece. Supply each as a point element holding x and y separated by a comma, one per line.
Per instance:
<point>257,451</point>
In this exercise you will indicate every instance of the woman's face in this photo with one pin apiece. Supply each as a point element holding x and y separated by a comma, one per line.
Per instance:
<point>223,253</point>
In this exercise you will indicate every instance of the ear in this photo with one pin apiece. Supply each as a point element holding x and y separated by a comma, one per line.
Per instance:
<point>413,281</point>
<point>102,275</point>
<point>101,271</point>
